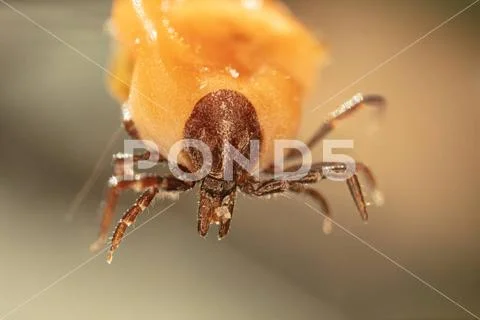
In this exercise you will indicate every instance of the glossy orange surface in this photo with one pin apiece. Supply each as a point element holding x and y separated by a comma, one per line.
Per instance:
<point>171,53</point>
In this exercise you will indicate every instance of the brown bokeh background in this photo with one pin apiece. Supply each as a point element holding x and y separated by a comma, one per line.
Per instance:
<point>56,119</point>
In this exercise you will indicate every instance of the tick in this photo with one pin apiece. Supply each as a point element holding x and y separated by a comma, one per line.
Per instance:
<point>218,71</point>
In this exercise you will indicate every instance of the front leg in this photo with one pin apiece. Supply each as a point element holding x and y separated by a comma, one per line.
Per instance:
<point>129,218</point>
<point>120,170</point>
<point>153,184</point>
<point>141,182</point>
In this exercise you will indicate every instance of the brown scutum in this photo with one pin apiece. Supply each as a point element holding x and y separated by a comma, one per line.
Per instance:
<point>219,117</point>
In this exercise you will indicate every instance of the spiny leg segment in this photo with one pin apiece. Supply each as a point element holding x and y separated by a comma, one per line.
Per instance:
<point>353,183</point>
<point>150,184</point>
<point>153,185</point>
<point>129,218</point>
<point>123,162</point>
<point>318,172</point>
<point>140,183</point>
<point>120,159</point>
<point>344,111</point>
<point>116,185</point>
<point>341,113</point>
<point>123,165</point>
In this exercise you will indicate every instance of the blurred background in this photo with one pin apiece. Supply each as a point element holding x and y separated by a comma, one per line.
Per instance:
<point>56,119</point>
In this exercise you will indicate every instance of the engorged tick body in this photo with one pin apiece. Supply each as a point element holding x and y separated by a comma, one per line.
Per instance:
<point>222,72</point>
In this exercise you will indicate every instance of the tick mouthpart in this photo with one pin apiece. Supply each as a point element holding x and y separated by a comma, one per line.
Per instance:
<point>217,200</point>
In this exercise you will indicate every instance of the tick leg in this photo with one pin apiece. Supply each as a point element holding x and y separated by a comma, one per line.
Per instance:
<point>353,182</point>
<point>141,182</point>
<point>128,123</point>
<point>132,131</point>
<point>129,218</point>
<point>114,189</point>
<point>354,186</point>
<point>357,195</point>
<point>318,172</point>
<point>123,163</point>
<point>341,113</point>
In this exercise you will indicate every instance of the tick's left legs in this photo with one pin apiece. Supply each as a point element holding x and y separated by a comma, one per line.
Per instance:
<point>116,185</point>
<point>153,184</point>
<point>141,182</point>
<point>129,218</point>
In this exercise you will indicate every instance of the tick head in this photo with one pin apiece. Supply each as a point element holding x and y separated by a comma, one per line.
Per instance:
<point>222,120</point>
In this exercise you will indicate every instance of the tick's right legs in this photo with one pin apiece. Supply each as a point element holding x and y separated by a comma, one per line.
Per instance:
<point>341,113</point>
<point>319,171</point>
